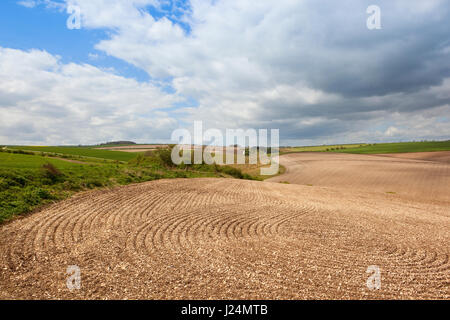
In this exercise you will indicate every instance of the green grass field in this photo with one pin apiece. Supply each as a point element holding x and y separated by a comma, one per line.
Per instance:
<point>81,151</point>
<point>399,147</point>
<point>21,161</point>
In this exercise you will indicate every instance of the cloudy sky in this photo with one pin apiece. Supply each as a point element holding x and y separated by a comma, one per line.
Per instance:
<point>138,69</point>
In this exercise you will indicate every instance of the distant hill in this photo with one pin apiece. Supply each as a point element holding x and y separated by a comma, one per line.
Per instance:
<point>114,143</point>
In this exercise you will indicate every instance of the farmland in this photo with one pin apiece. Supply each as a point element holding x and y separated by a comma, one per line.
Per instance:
<point>22,161</point>
<point>308,233</point>
<point>80,151</point>
<point>400,147</point>
<point>426,180</point>
<point>323,148</point>
<point>191,239</point>
<point>26,184</point>
<point>374,148</point>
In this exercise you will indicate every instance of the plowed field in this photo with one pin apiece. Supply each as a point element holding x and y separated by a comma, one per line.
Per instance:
<point>421,177</point>
<point>231,239</point>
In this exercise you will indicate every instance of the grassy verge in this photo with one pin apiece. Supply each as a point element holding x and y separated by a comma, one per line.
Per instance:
<point>252,170</point>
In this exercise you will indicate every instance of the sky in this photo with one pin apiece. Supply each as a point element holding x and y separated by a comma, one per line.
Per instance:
<point>139,69</point>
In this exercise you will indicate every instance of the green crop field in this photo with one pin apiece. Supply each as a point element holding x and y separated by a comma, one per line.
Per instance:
<point>374,148</point>
<point>22,161</point>
<point>81,151</point>
<point>399,147</point>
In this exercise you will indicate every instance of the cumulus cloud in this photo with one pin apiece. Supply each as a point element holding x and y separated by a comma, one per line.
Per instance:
<point>27,3</point>
<point>310,68</point>
<point>47,3</point>
<point>45,101</point>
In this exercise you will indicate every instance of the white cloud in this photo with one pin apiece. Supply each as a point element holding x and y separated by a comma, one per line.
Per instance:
<point>391,131</point>
<point>27,3</point>
<point>45,101</point>
<point>93,56</point>
<point>47,3</point>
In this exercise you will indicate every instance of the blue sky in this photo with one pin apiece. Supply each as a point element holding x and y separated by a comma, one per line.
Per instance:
<point>138,69</point>
<point>45,28</point>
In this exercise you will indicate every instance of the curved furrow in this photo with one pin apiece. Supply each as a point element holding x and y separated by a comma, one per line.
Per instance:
<point>430,261</point>
<point>185,231</point>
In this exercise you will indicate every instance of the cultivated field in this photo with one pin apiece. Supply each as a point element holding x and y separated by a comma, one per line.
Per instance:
<point>398,147</point>
<point>374,148</point>
<point>425,156</point>
<point>236,239</point>
<point>79,151</point>
<point>404,175</point>
<point>31,179</point>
